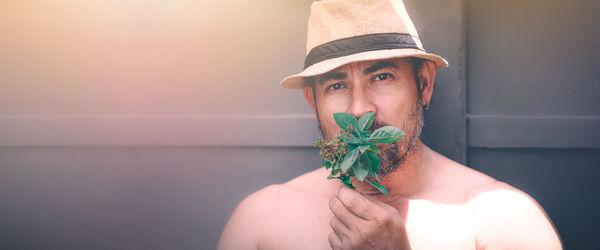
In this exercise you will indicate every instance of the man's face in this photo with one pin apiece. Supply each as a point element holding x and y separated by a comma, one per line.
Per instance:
<point>386,87</point>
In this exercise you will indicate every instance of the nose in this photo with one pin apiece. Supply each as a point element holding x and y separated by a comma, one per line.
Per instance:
<point>361,102</point>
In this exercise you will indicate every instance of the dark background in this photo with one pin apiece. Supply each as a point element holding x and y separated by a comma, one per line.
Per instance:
<point>157,161</point>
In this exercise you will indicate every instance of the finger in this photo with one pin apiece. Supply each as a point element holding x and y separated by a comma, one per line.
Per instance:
<point>342,214</point>
<point>339,228</point>
<point>357,203</point>
<point>334,241</point>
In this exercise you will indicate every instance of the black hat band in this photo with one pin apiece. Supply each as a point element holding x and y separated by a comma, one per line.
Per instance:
<point>357,44</point>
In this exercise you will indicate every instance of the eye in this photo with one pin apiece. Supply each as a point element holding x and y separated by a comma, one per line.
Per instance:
<point>335,86</point>
<point>383,76</point>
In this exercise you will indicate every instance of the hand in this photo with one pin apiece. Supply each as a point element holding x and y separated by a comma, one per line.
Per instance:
<point>361,223</point>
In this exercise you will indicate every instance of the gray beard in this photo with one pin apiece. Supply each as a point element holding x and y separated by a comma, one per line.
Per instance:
<point>394,155</point>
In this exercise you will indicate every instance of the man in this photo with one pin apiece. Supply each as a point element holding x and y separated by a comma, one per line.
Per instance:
<point>365,56</point>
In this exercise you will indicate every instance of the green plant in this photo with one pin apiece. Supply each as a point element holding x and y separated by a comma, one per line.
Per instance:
<point>354,153</point>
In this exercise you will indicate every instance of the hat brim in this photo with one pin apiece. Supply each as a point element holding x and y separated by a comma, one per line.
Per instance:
<point>297,82</point>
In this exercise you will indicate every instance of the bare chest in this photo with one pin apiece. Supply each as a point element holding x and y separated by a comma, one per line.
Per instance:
<point>429,226</point>
<point>439,226</point>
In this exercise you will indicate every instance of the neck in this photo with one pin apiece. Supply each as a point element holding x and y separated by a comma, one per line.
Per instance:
<point>406,181</point>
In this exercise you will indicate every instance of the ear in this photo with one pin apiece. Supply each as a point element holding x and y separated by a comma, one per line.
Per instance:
<point>308,95</point>
<point>426,76</point>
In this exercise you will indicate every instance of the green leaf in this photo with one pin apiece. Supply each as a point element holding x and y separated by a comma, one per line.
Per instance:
<point>349,160</point>
<point>375,176</point>
<point>351,146</point>
<point>371,160</point>
<point>353,140</point>
<point>387,134</point>
<point>345,119</point>
<point>381,188</point>
<point>365,121</point>
<point>335,171</point>
<point>336,166</point>
<point>363,148</point>
<point>375,150</point>
<point>360,172</point>
<point>367,141</point>
<point>327,164</point>
<point>365,134</point>
<point>346,181</point>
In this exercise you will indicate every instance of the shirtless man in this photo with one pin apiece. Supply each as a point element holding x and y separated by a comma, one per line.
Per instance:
<point>358,62</point>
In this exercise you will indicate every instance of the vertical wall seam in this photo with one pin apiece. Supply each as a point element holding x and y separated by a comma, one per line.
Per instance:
<point>463,82</point>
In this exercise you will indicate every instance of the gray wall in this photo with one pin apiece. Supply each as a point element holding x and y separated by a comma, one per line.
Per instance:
<point>141,125</point>
<point>132,197</point>
<point>534,105</point>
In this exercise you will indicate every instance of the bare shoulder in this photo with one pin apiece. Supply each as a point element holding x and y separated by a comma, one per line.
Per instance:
<point>452,182</point>
<point>265,214</point>
<point>504,217</point>
<point>508,218</point>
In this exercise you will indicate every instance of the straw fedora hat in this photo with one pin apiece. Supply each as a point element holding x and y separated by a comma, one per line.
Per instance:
<point>345,31</point>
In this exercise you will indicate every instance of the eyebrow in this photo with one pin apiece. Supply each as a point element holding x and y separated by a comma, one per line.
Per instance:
<point>378,66</point>
<point>334,75</point>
